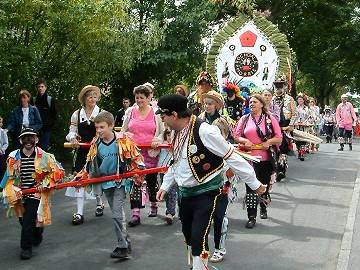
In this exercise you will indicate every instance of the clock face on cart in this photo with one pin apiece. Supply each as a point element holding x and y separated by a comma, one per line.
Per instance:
<point>246,64</point>
<point>247,58</point>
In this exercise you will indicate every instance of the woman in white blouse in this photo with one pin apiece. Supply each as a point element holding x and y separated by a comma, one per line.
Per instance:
<point>82,129</point>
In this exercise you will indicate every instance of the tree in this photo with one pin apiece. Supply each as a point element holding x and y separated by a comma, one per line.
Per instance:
<point>69,43</point>
<point>324,36</point>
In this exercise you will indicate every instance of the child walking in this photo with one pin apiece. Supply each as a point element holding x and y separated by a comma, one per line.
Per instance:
<point>171,196</point>
<point>113,153</point>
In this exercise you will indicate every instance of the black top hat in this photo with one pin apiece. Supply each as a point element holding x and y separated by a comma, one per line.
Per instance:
<point>172,103</point>
<point>27,131</point>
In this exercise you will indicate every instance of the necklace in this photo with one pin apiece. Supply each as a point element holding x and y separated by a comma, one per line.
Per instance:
<point>259,121</point>
<point>88,112</point>
<point>179,141</point>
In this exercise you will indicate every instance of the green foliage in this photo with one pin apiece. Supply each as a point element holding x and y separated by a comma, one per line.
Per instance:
<point>324,36</point>
<point>70,43</point>
<point>111,43</point>
<point>119,44</point>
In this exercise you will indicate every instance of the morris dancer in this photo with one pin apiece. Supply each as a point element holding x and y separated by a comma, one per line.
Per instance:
<point>204,85</point>
<point>233,102</point>
<point>283,107</point>
<point>82,129</point>
<point>30,167</point>
<point>199,152</point>
<point>329,123</point>
<point>259,128</point>
<point>144,124</point>
<point>303,122</point>
<point>113,153</point>
<point>315,120</point>
<point>345,120</point>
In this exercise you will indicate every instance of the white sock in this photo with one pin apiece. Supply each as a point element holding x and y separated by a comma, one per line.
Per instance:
<point>80,205</point>
<point>199,264</point>
<point>98,200</point>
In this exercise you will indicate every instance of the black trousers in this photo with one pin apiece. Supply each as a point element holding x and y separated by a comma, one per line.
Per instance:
<point>220,221</point>
<point>345,133</point>
<point>263,171</point>
<point>30,234</point>
<point>329,130</point>
<point>152,187</point>
<point>196,213</point>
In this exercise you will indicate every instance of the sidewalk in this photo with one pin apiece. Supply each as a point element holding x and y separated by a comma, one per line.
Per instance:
<point>354,259</point>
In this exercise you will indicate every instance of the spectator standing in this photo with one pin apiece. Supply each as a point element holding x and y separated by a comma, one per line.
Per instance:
<point>46,106</point>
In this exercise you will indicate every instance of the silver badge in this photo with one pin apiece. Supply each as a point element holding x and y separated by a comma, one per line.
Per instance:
<point>193,149</point>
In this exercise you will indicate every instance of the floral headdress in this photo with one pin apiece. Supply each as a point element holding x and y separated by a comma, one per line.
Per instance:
<point>205,76</point>
<point>231,87</point>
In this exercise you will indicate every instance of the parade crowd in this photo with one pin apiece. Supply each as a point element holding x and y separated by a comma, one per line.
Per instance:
<point>216,140</point>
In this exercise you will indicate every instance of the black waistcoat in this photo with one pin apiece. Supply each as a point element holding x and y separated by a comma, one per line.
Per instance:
<point>202,162</point>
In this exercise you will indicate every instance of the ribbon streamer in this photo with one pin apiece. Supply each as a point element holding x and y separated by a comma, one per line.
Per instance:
<point>87,181</point>
<point>140,145</point>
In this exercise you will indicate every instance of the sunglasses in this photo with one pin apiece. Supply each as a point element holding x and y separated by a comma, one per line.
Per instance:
<point>279,85</point>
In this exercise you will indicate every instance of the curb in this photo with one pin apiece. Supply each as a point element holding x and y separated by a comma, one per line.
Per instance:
<point>346,243</point>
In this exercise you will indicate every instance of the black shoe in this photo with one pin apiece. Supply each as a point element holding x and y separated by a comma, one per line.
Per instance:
<point>120,253</point>
<point>251,223</point>
<point>135,221</point>
<point>99,211</point>
<point>263,213</point>
<point>77,219</point>
<point>26,254</point>
<point>280,176</point>
<point>37,242</point>
<point>350,147</point>
<point>341,149</point>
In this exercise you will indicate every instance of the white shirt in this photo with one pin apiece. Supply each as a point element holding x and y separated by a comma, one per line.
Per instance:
<point>25,121</point>
<point>180,171</point>
<point>73,130</point>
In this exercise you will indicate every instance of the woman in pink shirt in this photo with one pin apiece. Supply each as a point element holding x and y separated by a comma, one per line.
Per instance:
<point>259,132</point>
<point>145,125</point>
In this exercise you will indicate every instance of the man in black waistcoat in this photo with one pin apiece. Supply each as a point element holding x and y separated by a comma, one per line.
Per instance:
<point>199,154</point>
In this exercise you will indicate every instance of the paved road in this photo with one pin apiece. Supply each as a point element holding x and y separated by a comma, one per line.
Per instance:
<point>304,231</point>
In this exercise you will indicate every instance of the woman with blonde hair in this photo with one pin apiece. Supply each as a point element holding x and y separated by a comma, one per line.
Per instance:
<point>82,129</point>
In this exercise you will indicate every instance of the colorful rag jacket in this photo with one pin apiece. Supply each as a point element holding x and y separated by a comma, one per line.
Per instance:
<point>129,159</point>
<point>48,172</point>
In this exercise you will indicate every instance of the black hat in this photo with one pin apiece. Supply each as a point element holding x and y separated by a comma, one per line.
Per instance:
<point>27,131</point>
<point>280,82</point>
<point>172,103</point>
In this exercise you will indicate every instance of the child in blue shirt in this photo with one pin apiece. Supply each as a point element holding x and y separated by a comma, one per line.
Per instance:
<point>113,153</point>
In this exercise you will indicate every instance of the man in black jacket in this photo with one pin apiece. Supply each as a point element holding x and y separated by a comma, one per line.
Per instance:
<point>46,107</point>
<point>119,119</point>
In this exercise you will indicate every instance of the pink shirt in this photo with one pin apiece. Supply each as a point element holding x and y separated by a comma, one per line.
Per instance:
<point>251,134</point>
<point>345,115</point>
<point>144,131</point>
